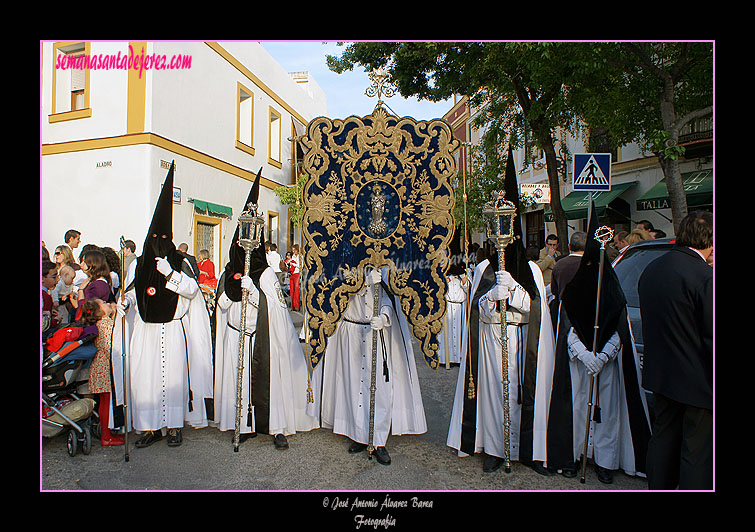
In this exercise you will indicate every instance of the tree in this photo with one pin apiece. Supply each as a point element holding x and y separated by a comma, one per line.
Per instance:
<point>646,93</point>
<point>519,88</point>
<point>291,195</point>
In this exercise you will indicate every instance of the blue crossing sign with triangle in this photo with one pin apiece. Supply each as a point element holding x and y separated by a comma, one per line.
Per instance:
<point>592,171</point>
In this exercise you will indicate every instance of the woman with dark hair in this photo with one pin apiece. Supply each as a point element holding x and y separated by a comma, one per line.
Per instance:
<point>99,284</point>
<point>114,263</point>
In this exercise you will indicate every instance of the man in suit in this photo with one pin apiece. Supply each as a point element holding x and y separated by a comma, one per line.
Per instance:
<point>676,303</point>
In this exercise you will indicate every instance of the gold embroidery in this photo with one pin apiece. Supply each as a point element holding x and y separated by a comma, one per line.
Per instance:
<point>373,162</point>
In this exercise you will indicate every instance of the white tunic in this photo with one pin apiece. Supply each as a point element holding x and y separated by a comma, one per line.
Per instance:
<point>454,321</point>
<point>610,441</point>
<point>166,360</point>
<point>489,435</point>
<point>289,410</point>
<point>347,375</point>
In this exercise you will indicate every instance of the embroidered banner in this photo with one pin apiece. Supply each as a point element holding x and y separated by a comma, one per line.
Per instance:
<point>379,194</point>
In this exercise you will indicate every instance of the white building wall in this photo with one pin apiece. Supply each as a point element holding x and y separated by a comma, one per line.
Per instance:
<point>194,110</point>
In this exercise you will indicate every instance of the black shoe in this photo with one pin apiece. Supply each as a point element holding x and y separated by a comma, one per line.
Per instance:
<point>491,463</point>
<point>540,469</point>
<point>604,475</point>
<point>357,447</point>
<point>149,437</point>
<point>381,454</point>
<point>280,442</point>
<point>570,471</point>
<point>175,438</point>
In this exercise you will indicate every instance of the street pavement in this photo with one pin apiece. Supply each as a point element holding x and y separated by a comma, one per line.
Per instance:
<point>316,461</point>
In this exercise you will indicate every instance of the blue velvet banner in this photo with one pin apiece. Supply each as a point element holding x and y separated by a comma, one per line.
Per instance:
<point>378,194</point>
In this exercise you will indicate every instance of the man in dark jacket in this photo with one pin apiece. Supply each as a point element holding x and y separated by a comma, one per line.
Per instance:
<point>676,303</point>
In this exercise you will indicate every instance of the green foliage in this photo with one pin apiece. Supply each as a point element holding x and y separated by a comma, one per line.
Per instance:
<point>292,197</point>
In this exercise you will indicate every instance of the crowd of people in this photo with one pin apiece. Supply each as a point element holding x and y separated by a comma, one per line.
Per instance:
<point>538,304</point>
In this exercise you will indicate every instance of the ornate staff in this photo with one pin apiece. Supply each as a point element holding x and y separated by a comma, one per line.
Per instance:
<point>123,351</point>
<point>499,216</point>
<point>471,390</point>
<point>377,228</point>
<point>250,236</point>
<point>603,235</point>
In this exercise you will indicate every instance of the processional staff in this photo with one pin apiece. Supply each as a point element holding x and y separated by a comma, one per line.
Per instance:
<point>499,217</point>
<point>603,235</point>
<point>251,227</point>
<point>123,350</point>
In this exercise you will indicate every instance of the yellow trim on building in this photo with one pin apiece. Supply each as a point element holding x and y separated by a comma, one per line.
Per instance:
<point>161,142</point>
<point>137,94</point>
<point>222,52</point>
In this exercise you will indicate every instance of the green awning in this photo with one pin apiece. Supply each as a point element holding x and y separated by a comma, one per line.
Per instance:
<point>698,186</point>
<point>205,207</point>
<point>575,204</point>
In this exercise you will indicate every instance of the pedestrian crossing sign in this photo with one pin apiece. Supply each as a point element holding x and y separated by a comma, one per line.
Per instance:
<point>592,171</point>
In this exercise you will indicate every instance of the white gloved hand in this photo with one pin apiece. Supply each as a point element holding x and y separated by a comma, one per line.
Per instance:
<point>504,278</point>
<point>378,322</point>
<point>374,277</point>
<point>593,363</point>
<point>246,282</point>
<point>163,266</point>
<point>121,307</point>
<point>498,293</point>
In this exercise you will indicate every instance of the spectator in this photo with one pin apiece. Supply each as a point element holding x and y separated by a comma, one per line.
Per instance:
<point>274,261</point>
<point>645,225</point>
<point>129,254</point>
<point>294,279</point>
<point>99,284</point>
<point>206,270</point>
<point>64,257</point>
<point>638,235</point>
<point>183,248</point>
<point>114,263</point>
<point>548,256</point>
<point>676,305</point>
<point>565,268</point>
<point>62,294</point>
<point>45,253</point>
<point>657,233</point>
<point>72,238</point>
<point>97,312</point>
<point>49,280</point>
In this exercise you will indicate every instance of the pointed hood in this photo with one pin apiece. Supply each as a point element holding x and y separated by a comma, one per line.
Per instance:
<point>516,261</point>
<point>234,270</point>
<point>156,303</point>
<point>580,295</point>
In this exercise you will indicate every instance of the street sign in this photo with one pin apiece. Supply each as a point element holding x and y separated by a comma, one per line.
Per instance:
<point>592,171</point>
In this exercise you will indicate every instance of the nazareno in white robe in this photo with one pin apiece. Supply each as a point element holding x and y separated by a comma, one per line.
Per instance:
<point>289,410</point>
<point>454,320</point>
<point>346,376</point>
<point>165,362</point>
<point>489,433</point>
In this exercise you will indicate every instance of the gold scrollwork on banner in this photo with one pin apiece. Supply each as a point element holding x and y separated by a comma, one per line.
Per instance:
<point>378,194</point>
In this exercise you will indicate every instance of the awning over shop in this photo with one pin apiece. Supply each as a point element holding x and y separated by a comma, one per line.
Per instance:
<point>697,185</point>
<point>205,207</point>
<point>575,204</point>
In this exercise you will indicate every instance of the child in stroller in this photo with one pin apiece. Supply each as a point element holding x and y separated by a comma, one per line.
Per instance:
<point>67,353</point>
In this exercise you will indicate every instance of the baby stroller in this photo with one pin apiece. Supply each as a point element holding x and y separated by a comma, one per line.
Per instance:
<point>67,353</point>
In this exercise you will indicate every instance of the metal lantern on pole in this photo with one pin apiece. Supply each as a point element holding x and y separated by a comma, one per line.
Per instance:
<point>251,227</point>
<point>498,215</point>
